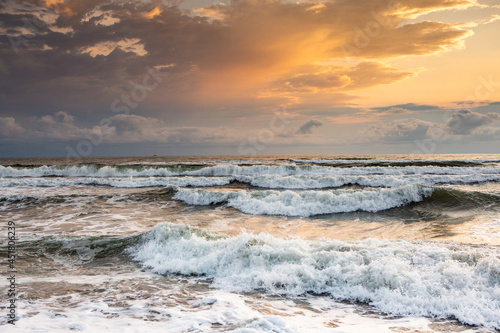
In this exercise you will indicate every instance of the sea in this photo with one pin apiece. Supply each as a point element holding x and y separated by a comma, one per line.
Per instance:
<point>337,243</point>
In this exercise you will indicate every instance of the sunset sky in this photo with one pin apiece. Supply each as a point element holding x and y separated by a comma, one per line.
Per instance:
<point>87,77</point>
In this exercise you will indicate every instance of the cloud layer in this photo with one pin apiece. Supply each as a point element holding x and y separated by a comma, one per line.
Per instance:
<point>153,71</point>
<point>87,52</point>
<point>461,124</point>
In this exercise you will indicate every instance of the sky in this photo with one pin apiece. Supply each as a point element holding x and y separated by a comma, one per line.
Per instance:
<point>248,77</point>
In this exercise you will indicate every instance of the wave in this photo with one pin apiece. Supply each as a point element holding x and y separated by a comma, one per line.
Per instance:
<point>262,181</point>
<point>233,170</point>
<point>85,249</point>
<point>318,182</point>
<point>83,171</point>
<point>199,162</point>
<point>448,198</point>
<point>292,169</point>
<point>118,182</point>
<point>290,203</point>
<point>396,277</point>
<point>403,162</point>
<point>307,203</point>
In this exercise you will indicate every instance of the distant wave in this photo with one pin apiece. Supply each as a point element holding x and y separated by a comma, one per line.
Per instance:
<point>125,182</point>
<point>263,181</point>
<point>234,170</point>
<point>402,162</point>
<point>317,182</point>
<point>292,169</point>
<point>83,171</point>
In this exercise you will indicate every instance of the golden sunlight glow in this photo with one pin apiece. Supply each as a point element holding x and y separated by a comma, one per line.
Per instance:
<point>153,13</point>
<point>105,48</point>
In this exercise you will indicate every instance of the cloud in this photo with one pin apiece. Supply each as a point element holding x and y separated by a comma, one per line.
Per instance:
<point>60,126</point>
<point>135,128</point>
<point>105,48</point>
<point>87,52</point>
<point>10,129</point>
<point>395,110</point>
<point>464,122</point>
<point>400,130</point>
<point>409,107</point>
<point>363,75</point>
<point>307,127</point>
<point>220,63</point>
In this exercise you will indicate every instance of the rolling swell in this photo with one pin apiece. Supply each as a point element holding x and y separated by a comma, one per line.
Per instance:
<point>85,249</point>
<point>444,198</point>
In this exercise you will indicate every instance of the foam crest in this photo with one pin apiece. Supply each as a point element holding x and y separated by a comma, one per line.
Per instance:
<point>395,161</point>
<point>235,170</point>
<point>117,182</point>
<point>307,203</point>
<point>292,169</point>
<point>84,171</point>
<point>316,182</point>
<point>397,277</point>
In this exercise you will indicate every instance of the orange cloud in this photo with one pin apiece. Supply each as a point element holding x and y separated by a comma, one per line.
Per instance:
<point>153,13</point>
<point>363,75</point>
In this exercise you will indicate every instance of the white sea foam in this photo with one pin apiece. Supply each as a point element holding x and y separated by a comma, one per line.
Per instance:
<point>292,169</point>
<point>313,181</point>
<point>124,182</point>
<point>84,171</point>
<point>235,170</point>
<point>397,277</point>
<point>264,181</point>
<point>212,162</point>
<point>307,203</point>
<point>370,160</point>
<point>199,314</point>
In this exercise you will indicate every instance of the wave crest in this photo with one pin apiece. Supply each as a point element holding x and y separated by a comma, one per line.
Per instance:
<point>307,203</point>
<point>399,278</point>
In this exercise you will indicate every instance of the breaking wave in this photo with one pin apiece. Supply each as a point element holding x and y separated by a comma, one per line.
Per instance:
<point>401,162</point>
<point>316,182</point>
<point>125,182</point>
<point>235,170</point>
<point>307,203</point>
<point>396,277</point>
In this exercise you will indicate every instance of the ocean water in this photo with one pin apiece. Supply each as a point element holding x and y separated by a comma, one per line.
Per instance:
<point>382,243</point>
